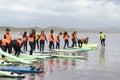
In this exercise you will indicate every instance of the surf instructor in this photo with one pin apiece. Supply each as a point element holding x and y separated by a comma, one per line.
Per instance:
<point>102,38</point>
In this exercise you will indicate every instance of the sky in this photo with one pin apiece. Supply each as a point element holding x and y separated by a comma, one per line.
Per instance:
<point>62,13</point>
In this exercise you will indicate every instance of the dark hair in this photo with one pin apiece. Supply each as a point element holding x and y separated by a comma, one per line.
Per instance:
<point>65,33</point>
<point>60,33</point>
<point>7,29</point>
<point>31,34</point>
<point>33,31</point>
<point>25,33</point>
<point>100,32</point>
<point>51,30</point>
<point>42,31</point>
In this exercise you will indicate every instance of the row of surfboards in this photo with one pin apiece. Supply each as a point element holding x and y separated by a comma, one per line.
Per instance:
<point>72,49</point>
<point>27,59</point>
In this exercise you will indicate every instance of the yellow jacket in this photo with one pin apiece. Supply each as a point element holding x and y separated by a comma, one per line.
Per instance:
<point>102,36</point>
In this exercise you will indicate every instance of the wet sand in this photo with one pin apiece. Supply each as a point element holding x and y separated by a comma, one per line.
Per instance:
<point>102,63</point>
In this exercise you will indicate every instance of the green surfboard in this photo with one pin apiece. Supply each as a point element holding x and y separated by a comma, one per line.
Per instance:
<point>14,57</point>
<point>68,56</point>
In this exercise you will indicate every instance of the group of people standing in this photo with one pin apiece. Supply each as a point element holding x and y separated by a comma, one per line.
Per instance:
<point>35,39</point>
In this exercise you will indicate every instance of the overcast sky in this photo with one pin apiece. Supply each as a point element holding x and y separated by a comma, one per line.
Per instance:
<point>63,13</point>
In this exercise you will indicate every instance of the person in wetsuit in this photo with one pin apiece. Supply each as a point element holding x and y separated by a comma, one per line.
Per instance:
<point>85,40</point>
<point>32,41</point>
<point>51,39</point>
<point>7,36</point>
<point>4,45</point>
<point>36,40</point>
<point>80,42</point>
<point>102,38</point>
<point>58,40</point>
<point>74,39</point>
<point>17,44</point>
<point>42,41</point>
<point>25,38</point>
<point>66,39</point>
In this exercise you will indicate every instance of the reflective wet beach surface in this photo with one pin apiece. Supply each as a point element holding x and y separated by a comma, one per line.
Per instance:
<point>101,64</point>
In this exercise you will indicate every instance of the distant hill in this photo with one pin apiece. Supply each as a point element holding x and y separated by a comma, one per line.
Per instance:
<point>106,29</point>
<point>60,29</point>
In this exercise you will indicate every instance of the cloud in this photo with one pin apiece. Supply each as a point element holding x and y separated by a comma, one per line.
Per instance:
<point>60,12</point>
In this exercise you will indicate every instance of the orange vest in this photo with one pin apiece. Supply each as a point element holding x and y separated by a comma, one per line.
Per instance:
<point>4,41</point>
<point>66,37</point>
<point>31,39</point>
<point>58,38</point>
<point>42,37</point>
<point>8,37</point>
<point>84,39</point>
<point>20,42</point>
<point>25,38</point>
<point>74,36</point>
<point>50,37</point>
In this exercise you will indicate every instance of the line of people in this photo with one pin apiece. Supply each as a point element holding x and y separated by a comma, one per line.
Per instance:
<point>35,39</point>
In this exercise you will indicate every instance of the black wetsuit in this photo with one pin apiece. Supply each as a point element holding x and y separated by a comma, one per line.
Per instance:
<point>4,48</point>
<point>32,46</point>
<point>25,43</point>
<point>57,45</point>
<point>66,43</point>
<point>42,44</point>
<point>80,43</point>
<point>51,45</point>
<point>103,42</point>
<point>17,47</point>
<point>36,43</point>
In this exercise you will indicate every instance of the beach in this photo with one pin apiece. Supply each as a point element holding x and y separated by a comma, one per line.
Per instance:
<point>25,25</point>
<point>101,64</point>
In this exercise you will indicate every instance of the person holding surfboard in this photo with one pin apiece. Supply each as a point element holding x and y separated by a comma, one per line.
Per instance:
<point>58,40</point>
<point>102,38</point>
<point>42,41</point>
<point>51,39</point>
<point>66,39</point>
